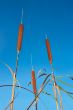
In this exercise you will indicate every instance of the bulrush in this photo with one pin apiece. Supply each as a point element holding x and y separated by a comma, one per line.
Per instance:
<point>34,82</point>
<point>20,36</point>
<point>49,50</point>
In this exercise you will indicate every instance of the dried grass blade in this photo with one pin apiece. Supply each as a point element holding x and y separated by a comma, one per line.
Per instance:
<point>61,104</point>
<point>8,67</point>
<point>44,74</point>
<point>65,83</point>
<point>18,86</point>
<point>13,93</point>
<point>65,90</point>
<point>71,77</point>
<point>56,97</point>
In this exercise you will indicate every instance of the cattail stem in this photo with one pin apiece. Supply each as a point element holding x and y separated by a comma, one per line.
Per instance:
<point>17,59</point>
<point>13,92</point>
<point>36,103</point>
<point>56,96</point>
<point>14,82</point>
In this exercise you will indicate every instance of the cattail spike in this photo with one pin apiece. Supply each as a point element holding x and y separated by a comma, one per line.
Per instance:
<point>49,50</point>
<point>20,36</point>
<point>34,82</point>
<point>34,86</point>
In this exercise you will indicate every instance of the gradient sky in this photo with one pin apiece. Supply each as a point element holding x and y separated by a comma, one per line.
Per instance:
<point>51,17</point>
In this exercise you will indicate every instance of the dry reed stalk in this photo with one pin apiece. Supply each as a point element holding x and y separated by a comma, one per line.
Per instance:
<point>58,89</point>
<point>13,92</point>
<point>56,96</point>
<point>48,50</point>
<point>55,91</point>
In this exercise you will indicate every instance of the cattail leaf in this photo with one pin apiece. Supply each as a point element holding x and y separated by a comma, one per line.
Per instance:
<point>59,94</point>
<point>46,79</point>
<point>29,83</point>
<point>56,97</point>
<point>8,67</point>
<point>70,95</point>
<point>71,78</point>
<point>17,86</point>
<point>65,83</point>
<point>41,71</point>
<point>44,74</point>
<point>63,76</point>
<point>65,91</point>
<point>46,93</point>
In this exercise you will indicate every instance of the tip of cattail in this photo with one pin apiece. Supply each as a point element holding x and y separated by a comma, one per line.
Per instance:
<point>46,36</point>
<point>31,63</point>
<point>32,68</point>
<point>22,16</point>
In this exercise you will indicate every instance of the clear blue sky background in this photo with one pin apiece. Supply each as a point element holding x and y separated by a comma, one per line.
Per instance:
<point>51,17</point>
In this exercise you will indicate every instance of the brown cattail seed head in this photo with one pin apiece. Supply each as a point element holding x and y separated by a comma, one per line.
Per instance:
<point>49,51</point>
<point>20,35</point>
<point>34,82</point>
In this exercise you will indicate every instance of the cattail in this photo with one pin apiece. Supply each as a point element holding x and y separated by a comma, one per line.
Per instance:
<point>49,50</point>
<point>34,82</point>
<point>20,36</point>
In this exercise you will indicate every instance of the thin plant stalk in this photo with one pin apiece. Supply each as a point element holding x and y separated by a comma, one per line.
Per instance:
<point>61,104</point>
<point>14,83</point>
<point>13,93</point>
<point>20,34</point>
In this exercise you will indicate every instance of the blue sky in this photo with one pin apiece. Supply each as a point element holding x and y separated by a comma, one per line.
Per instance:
<point>51,17</point>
